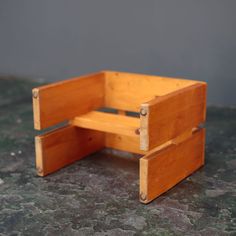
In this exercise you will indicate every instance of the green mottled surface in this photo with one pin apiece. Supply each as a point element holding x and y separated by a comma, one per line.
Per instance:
<point>99,194</point>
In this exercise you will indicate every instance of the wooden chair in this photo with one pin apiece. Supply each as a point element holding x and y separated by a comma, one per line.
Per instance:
<point>166,131</point>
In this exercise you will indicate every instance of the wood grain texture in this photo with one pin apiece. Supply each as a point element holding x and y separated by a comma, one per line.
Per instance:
<point>63,146</point>
<point>168,116</point>
<point>123,143</point>
<point>162,170</point>
<point>64,100</point>
<point>127,91</point>
<point>107,122</point>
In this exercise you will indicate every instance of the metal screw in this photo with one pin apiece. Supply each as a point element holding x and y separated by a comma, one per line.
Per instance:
<point>39,170</point>
<point>143,197</point>
<point>143,112</point>
<point>35,94</point>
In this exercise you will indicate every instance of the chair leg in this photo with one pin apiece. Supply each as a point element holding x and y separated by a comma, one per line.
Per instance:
<point>161,170</point>
<point>63,146</point>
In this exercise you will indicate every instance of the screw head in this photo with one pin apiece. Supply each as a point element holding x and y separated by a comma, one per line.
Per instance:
<point>143,112</point>
<point>39,170</point>
<point>143,197</point>
<point>35,94</point>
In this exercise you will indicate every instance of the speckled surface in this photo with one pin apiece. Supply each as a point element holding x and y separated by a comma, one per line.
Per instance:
<point>99,194</point>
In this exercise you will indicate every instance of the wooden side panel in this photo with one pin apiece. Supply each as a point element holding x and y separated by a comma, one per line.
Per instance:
<point>64,100</point>
<point>162,170</point>
<point>107,122</point>
<point>63,146</point>
<point>123,143</point>
<point>127,91</point>
<point>166,117</point>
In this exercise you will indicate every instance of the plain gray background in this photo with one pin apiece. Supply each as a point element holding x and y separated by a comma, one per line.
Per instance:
<point>57,39</point>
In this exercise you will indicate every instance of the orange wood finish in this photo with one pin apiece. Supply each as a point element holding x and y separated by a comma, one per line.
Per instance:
<point>123,143</point>
<point>63,146</point>
<point>162,170</point>
<point>166,117</point>
<point>127,91</point>
<point>166,132</point>
<point>64,100</point>
<point>107,122</point>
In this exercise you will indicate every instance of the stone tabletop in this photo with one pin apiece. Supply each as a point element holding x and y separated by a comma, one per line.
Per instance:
<point>99,194</point>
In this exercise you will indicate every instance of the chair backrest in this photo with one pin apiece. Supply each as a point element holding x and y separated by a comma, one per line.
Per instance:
<point>127,91</point>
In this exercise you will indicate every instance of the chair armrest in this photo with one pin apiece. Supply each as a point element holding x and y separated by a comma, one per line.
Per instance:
<point>166,117</point>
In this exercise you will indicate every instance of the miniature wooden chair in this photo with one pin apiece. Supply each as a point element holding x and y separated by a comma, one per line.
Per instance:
<point>167,133</point>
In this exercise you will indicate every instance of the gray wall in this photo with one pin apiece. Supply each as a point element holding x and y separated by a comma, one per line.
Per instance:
<point>57,39</point>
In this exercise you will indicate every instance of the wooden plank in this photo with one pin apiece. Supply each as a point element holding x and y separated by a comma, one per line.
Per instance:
<point>162,170</point>
<point>107,122</point>
<point>64,100</point>
<point>166,117</point>
<point>63,146</point>
<point>127,91</point>
<point>123,143</point>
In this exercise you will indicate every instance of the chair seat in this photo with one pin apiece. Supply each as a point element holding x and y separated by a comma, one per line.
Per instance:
<point>107,122</point>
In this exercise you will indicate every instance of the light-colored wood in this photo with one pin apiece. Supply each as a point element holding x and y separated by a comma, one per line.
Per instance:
<point>127,91</point>
<point>163,169</point>
<point>63,146</point>
<point>64,100</point>
<point>144,127</point>
<point>107,122</point>
<point>123,143</point>
<point>166,117</point>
